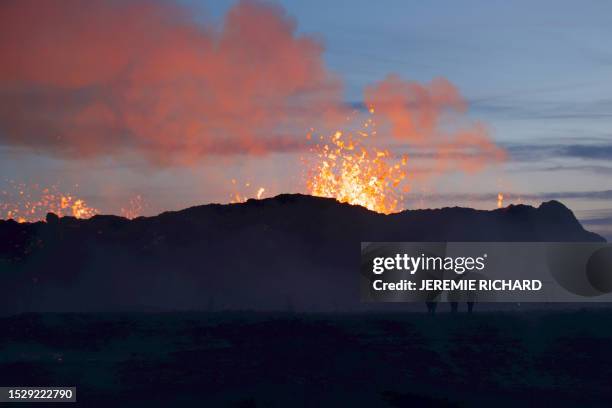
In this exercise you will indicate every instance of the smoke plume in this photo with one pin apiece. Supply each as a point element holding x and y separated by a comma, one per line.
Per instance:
<point>100,77</point>
<point>104,77</point>
<point>433,116</point>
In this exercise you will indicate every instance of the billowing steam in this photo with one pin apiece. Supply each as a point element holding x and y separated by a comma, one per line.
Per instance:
<point>433,116</point>
<point>98,77</point>
<point>108,77</point>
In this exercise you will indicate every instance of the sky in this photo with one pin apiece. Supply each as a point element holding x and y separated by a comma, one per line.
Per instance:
<point>538,76</point>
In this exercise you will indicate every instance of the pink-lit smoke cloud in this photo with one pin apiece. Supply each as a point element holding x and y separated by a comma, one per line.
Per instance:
<point>93,78</point>
<point>97,77</point>
<point>433,116</point>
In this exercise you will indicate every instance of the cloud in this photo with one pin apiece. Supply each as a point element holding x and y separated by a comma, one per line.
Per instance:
<point>584,168</point>
<point>596,151</point>
<point>93,78</point>
<point>538,152</point>
<point>599,221</point>
<point>507,107</point>
<point>605,221</point>
<point>433,115</point>
<point>414,110</point>
<point>594,195</point>
<point>110,78</point>
<point>557,195</point>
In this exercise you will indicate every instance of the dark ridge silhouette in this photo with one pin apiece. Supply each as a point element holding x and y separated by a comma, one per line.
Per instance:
<point>290,251</point>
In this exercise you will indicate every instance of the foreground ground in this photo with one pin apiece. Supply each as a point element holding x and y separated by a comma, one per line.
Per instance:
<point>257,359</point>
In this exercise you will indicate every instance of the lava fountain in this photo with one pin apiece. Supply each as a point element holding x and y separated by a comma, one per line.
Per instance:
<point>237,197</point>
<point>352,172</point>
<point>134,208</point>
<point>24,203</point>
<point>500,200</point>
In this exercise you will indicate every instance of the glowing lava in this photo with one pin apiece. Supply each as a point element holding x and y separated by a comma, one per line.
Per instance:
<point>24,203</point>
<point>351,172</point>
<point>500,200</point>
<point>135,207</point>
<point>237,197</point>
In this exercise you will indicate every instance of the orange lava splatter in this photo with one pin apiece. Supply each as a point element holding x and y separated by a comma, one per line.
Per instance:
<point>24,203</point>
<point>500,200</point>
<point>134,208</point>
<point>352,172</point>
<point>238,197</point>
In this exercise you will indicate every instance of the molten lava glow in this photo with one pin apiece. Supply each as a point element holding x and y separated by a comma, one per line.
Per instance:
<point>500,200</point>
<point>24,203</point>
<point>351,172</point>
<point>135,207</point>
<point>237,197</point>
